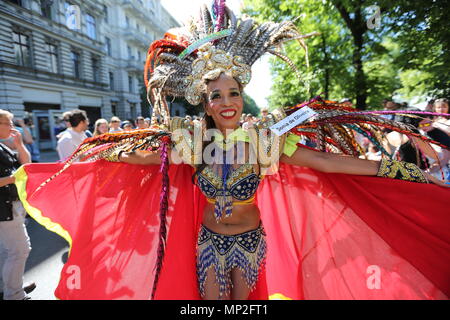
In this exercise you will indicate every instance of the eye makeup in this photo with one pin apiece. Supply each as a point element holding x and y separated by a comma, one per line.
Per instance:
<point>234,92</point>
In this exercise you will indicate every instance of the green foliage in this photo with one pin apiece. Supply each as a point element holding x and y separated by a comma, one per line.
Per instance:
<point>423,32</point>
<point>406,53</point>
<point>250,105</point>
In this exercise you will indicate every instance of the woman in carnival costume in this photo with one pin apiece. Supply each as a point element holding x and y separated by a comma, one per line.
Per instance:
<point>270,217</point>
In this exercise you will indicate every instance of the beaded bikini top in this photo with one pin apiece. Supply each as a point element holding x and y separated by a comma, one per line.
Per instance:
<point>241,184</point>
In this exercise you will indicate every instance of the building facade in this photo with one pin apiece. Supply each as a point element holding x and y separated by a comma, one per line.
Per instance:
<point>64,54</point>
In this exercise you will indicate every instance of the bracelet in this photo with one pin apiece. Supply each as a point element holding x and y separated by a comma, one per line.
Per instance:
<point>401,170</point>
<point>114,156</point>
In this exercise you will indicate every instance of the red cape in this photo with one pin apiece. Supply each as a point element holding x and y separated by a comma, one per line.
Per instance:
<point>330,236</point>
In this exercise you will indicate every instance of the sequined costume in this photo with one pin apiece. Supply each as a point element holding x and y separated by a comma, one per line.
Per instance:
<point>245,251</point>
<point>238,186</point>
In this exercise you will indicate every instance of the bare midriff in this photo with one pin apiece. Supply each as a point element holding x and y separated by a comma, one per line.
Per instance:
<point>245,217</point>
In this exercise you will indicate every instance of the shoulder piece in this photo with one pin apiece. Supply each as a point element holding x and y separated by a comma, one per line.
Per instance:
<point>186,140</point>
<point>266,145</point>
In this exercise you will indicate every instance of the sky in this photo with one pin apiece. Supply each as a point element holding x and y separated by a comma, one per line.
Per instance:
<point>260,85</point>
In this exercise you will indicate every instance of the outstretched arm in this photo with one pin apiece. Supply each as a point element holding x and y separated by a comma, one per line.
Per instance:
<point>335,163</point>
<point>139,157</point>
<point>331,163</point>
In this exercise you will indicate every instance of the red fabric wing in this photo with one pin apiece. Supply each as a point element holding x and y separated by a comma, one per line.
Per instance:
<point>329,235</point>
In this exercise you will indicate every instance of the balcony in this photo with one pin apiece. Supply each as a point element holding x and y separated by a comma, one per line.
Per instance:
<point>140,12</point>
<point>133,36</point>
<point>134,65</point>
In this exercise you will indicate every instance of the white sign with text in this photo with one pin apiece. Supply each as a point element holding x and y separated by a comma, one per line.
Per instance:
<point>293,120</point>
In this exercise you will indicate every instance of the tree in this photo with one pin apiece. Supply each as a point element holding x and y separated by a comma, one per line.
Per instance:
<point>422,31</point>
<point>328,54</point>
<point>338,54</point>
<point>404,51</point>
<point>250,105</point>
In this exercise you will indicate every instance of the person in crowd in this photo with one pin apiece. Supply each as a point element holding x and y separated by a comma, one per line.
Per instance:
<point>429,106</point>
<point>126,126</point>
<point>32,147</point>
<point>65,119</point>
<point>114,124</point>
<point>15,244</point>
<point>27,137</point>
<point>264,114</point>
<point>71,138</point>
<point>140,123</point>
<point>347,102</point>
<point>242,119</point>
<point>248,122</point>
<point>389,106</point>
<point>100,127</point>
<point>442,122</point>
<point>147,122</point>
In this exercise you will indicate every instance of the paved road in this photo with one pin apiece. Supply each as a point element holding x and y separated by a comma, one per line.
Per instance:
<point>49,251</point>
<point>46,259</point>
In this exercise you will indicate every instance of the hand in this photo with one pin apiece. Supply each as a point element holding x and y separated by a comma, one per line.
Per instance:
<point>17,138</point>
<point>432,179</point>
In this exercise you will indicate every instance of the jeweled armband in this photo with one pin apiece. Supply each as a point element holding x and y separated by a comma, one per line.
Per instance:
<point>401,170</point>
<point>114,156</point>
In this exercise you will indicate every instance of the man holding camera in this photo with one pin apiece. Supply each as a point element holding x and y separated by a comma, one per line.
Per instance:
<point>14,241</point>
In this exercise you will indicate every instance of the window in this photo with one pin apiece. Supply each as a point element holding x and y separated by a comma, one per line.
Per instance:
<point>90,27</point>
<point>96,69</point>
<point>46,8</point>
<point>22,53</point>
<point>133,110</point>
<point>52,56</point>
<point>18,2</point>
<point>75,56</point>
<point>114,107</point>
<point>139,56</point>
<point>130,84</point>
<point>111,82</point>
<point>108,46</point>
<point>130,55</point>
<point>105,12</point>
<point>127,21</point>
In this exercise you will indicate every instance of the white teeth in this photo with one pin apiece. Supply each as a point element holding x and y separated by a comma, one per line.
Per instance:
<point>228,114</point>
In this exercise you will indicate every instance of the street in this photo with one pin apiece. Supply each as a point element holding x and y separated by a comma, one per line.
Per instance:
<point>48,254</point>
<point>46,259</point>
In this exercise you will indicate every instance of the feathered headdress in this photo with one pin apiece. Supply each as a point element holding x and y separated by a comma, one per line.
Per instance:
<point>214,43</point>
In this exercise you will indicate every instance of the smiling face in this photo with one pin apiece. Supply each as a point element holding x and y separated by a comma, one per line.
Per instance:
<point>224,102</point>
<point>103,127</point>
